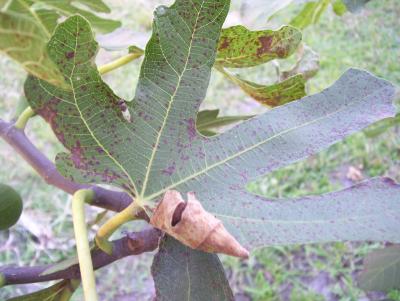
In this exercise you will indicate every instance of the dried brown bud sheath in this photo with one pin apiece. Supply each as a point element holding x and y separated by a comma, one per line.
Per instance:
<point>192,225</point>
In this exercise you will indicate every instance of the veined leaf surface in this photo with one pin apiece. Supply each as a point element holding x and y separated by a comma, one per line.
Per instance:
<point>160,149</point>
<point>382,270</point>
<point>23,38</point>
<point>181,273</point>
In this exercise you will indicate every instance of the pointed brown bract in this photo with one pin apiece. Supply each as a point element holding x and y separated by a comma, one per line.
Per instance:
<point>192,225</point>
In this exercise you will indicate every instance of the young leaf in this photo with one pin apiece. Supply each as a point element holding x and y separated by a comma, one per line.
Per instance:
<point>382,270</point>
<point>271,95</point>
<point>160,149</point>
<point>181,273</point>
<point>239,47</point>
<point>310,14</point>
<point>61,291</point>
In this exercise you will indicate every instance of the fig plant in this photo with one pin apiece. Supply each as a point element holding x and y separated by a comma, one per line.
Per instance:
<point>168,164</point>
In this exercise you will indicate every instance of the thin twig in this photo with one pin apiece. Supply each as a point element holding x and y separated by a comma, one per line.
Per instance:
<point>132,244</point>
<point>111,200</point>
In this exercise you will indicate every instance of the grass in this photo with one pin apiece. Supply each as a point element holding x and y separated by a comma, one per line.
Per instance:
<point>368,40</point>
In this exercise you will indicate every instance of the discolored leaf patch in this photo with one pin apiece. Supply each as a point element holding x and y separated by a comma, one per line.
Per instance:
<point>287,90</point>
<point>240,47</point>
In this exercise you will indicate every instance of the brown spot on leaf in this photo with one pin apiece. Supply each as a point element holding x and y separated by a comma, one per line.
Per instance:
<point>225,44</point>
<point>265,45</point>
<point>70,54</point>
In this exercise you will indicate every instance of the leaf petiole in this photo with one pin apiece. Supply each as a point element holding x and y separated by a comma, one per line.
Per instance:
<point>106,230</point>
<point>82,243</point>
<point>24,117</point>
<point>119,62</point>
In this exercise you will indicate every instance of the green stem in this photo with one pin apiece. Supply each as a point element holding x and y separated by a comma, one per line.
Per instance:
<point>119,62</point>
<point>2,280</point>
<point>106,230</point>
<point>24,117</point>
<point>82,243</point>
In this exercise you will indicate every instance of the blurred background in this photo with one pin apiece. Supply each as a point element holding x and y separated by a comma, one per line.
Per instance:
<point>368,39</point>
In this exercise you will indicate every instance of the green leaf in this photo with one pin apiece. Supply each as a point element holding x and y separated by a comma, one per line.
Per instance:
<point>307,64</point>
<point>382,270</point>
<point>158,148</point>
<point>382,126</point>
<point>96,143</point>
<point>181,273</point>
<point>10,206</point>
<point>23,38</point>
<point>310,14</point>
<point>209,120</point>
<point>271,95</point>
<point>239,47</point>
<point>61,291</point>
<point>26,26</point>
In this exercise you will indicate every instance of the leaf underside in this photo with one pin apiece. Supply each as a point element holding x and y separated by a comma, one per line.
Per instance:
<point>160,149</point>
<point>382,270</point>
<point>181,273</point>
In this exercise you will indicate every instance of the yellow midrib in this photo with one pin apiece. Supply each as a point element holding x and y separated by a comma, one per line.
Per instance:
<point>154,151</point>
<point>87,125</point>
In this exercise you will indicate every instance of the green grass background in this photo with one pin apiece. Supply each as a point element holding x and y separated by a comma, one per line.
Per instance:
<point>369,39</point>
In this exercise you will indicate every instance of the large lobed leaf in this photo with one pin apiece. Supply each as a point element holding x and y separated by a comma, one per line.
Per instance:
<point>160,149</point>
<point>181,273</point>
